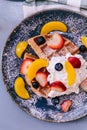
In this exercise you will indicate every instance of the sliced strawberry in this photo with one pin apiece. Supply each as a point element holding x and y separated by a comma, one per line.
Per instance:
<point>41,77</point>
<point>76,63</point>
<point>65,105</point>
<point>83,85</point>
<point>58,86</point>
<point>25,64</point>
<point>56,41</point>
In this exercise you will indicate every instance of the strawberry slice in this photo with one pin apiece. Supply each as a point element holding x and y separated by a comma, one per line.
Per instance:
<point>41,77</point>
<point>25,64</point>
<point>76,63</point>
<point>65,105</point>
<point>56,41</point>
<point>58,86</point>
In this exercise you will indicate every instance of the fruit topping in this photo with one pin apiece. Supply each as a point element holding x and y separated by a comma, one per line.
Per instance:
<point>25,64</point>
<point>35,84</point>
<point>58,66</point>
<point>76,63</point>
<point>41,103</point>
<point>20,48</point>
<point>41,77</point>
<point>53,26</point>
<point>40,40</point>
<point>82,48</point>
<point>71,74</point>
<point>65,105</point>
<point>55,100</point>
<point>35,67</point>
<point>58,86</point>
<point>84,41</point>
<point>19,87</point>
<point>83,85</point>
<point>56,41</point>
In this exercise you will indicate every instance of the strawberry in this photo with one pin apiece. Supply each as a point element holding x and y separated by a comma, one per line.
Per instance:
<point>25,64</point>
<point>58,86</point>
<point>76,63</point>
<point>41,77</point>
<point>65,105</point>
<point>83,85</point>
<point>56,41</point>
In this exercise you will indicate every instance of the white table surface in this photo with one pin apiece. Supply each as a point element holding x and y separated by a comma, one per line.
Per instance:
<point>11,116</point>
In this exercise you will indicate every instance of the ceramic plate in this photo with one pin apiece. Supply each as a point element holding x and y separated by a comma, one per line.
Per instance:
<point>37,106</point>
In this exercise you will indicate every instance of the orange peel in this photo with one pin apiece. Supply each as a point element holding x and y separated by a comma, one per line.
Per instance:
<point>53,26</point>
<point>35,66</point>
<point>20,90</point>
<point>71,74</point>
<point>20,48</point>
<point>84,41</point>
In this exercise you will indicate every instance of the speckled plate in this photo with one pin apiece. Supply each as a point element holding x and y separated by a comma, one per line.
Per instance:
<point>37,106</point>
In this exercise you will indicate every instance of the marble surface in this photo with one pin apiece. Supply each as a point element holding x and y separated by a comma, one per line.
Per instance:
<point>11,116</point>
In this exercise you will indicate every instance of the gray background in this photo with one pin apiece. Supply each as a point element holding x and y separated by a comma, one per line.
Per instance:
<point>11,116</point>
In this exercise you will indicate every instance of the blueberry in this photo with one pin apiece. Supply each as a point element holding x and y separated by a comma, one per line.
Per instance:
<point>82,48</point>
<point>43,100</point>
<point>58,66</point>
<point>40,40</point>
<point>35,84</point>
<point>55,100</point>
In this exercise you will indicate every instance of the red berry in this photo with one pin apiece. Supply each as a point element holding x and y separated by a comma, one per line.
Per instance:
<point>58,86</point>
<point>56,41</point>
<point>76,63</point>
<point>65,105</point>
<point>25,64</point>
<point>41,77</point>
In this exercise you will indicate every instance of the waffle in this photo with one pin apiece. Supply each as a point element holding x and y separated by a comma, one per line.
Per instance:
<point>40,91</point>
<point>43,51</point>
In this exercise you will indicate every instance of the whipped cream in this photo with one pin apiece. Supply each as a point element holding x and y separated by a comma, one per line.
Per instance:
<point>81,74</point>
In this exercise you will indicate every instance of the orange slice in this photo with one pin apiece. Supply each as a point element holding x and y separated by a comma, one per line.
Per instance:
<point>53,26</point>
<point>20,48</point>
<point>35,66</point>
<point>84,41</point>
<point>19,87</point>
<point>71,74</point>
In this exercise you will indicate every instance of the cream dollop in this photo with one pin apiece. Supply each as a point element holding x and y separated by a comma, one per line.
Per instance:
<point>81,74</point>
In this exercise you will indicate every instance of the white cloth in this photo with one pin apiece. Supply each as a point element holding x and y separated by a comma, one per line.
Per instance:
<point>72,5</point>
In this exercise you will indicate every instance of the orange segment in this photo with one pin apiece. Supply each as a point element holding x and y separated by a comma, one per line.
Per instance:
<point>35,66</point>
<point>53,26</point>
<point>71,74</point>
<point>84,41</point>
<point>20,48</point>
<point>19,87</point>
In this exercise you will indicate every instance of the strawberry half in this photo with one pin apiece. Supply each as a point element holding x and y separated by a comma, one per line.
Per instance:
<point>58,86</point>
<point>41,77</point>
<point>56,41</point>
<point>25,64</point>
<point>76,63</point>
<point>65,105</point>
